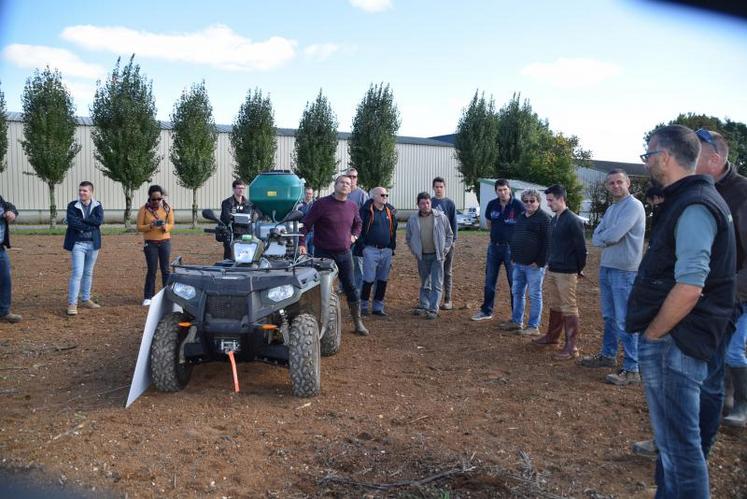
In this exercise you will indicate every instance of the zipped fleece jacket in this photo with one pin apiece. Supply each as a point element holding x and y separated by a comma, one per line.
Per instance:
<point>366,213</point>
<point>733,188</point>
<point>442,235</point>
<point>78,223</point>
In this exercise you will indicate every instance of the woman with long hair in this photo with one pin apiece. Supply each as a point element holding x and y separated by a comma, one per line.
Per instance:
<point>155,220</point>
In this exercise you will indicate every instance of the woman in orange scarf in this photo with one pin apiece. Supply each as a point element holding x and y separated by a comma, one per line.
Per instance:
<point>155,220</point>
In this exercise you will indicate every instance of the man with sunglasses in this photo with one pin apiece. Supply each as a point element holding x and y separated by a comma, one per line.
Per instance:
<point>620,235</point>
<point>359,197</point>
<point>681,303</point>
<point>713,161</point>
<point>530,244</point>
<point>237,203</point>
<point>376,245</point>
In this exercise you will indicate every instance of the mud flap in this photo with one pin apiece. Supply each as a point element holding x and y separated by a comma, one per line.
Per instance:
<point>159,307</point>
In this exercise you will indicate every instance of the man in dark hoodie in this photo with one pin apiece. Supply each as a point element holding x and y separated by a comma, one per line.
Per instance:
<point>8,214</point>
<point>376,245</point>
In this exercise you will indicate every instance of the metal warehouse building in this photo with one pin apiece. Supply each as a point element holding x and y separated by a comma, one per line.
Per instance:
<point>419,161</point>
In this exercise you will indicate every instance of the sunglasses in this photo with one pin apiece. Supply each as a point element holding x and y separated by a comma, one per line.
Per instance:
<point>532,200</point>
<point>156,199</point>
<point>706,137</point>
<point>384,195</point>
<point>644,157</point>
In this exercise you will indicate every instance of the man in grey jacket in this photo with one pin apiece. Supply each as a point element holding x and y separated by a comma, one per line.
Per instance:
<point>429,238</point>
<point>620,235</point>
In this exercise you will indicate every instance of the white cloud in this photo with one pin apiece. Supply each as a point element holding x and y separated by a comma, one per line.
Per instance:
<point>217,45</point>
<point>39,56</point>
<point>82,93</point>
<point>372,5</point>
<point>572,73</point>
<point>319,52</point>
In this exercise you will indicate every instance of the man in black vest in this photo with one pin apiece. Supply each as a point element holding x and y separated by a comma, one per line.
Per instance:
<point>237,203</point>
<point>681,303</point>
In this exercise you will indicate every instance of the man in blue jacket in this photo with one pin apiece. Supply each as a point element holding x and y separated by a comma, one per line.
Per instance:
<point>83,239</point>
<point>501,215</point>
<point>8,214</point>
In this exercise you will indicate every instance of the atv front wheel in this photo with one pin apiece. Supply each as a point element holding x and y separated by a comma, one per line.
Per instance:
<point>169,375</point>
<point>333,334</point>
<point>304,357</point>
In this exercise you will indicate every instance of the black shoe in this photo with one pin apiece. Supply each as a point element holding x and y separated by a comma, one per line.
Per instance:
<point>380,313</point>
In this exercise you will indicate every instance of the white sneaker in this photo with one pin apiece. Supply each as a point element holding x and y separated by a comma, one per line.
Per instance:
<point>146,303</point>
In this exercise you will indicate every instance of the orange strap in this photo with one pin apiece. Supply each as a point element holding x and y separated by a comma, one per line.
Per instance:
<point>235,374</point>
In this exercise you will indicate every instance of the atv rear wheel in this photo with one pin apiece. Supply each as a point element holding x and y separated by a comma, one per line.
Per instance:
<point>304,359</point>
<point>168,374</point>
<point>332,338</point>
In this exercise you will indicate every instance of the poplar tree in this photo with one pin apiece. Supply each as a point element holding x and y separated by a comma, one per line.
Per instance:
<point>126,132</point>
<point>194,137</point>
<point>49,131</point>
<point>316,144</point>
<point>3,131</point>
<point>254,137</point>
<point>476,142</point>
<point>373,139</point>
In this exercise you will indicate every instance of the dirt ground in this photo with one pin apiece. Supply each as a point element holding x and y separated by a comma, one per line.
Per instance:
<point>445,408</point>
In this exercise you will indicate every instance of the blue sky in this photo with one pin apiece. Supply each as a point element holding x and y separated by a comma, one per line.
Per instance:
<point>605,71</point>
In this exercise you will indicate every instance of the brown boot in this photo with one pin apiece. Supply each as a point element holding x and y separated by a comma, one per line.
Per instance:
<point>553,330</point>
<point>571,335</point>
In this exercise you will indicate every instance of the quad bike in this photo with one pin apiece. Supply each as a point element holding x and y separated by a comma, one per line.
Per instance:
<point>267,303</point>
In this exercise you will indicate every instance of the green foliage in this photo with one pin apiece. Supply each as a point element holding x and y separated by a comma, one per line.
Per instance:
<point>734,132</point>
<point>49,130</point>
<point>476,142</point>
<point>529,150</point>
<point>373,139</point>
<point>193,147</point>
<point>316,144</point>
<point>253,137</point>
<point>3,131</point>
<point>126,131</point>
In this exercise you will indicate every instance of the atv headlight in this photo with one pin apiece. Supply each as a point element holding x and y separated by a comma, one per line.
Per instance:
<point>244,252</point>
<point>184,290</point>
<point>280,293</point>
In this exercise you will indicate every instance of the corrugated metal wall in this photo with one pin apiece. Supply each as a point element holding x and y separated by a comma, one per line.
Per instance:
<point>416,166</point>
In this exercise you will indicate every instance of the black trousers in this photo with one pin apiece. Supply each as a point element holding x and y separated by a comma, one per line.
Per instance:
<point>156,252</point>
<point>344,263</point>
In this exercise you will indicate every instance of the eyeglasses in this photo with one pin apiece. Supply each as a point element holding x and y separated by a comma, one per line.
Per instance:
<point>646,155</point>
<point>353,176</point>
<point>156,199</point>
<point>706,137</point>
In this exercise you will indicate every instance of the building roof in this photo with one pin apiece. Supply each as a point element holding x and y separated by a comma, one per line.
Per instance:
<point>282,132</point>
<point>632,169</point>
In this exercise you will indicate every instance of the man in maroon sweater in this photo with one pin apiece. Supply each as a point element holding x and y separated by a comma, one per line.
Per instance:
<point>337,225</point>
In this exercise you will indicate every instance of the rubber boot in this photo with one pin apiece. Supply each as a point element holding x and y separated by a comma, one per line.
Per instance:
<point>571,335</point>
<point>355,313</point>
<point>738,415</point>
<point>378,299</point>
<point>728,393</point>
<point>553,330</point>
<point>365,296</point>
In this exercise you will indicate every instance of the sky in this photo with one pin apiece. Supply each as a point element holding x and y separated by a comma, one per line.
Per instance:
<point>605,71</point>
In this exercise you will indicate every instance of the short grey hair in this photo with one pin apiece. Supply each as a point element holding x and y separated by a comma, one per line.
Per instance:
<point>681,142</point>
<point>530,193</point>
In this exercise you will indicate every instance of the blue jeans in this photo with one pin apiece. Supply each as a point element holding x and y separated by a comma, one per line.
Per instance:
<point>376,265</point>
<point>310,242</point>
<point>527,277</point>
<point>672,382</point>
<point>431,271</point>
<point>712,396</point>
<point>4,281</point>
<point>614,290</point>
<point>497,254</point>
<point>358,273</point>
<point>735,356</point>
<point>81,278</point>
